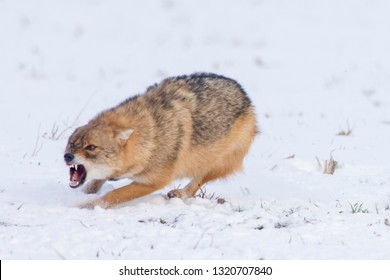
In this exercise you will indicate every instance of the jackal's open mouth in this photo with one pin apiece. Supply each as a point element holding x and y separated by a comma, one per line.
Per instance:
<point>77,173</point>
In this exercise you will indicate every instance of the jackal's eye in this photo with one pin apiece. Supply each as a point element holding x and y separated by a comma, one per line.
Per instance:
<point>90,147</point>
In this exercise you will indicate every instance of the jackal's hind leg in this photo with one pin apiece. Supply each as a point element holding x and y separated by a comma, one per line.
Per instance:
<point>188,191</point>
<point>220,171</point>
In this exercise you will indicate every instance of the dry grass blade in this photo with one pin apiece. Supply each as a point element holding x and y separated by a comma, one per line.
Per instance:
<point>38,146</point>
<point>346,132</point>
<point>203,194</point>
<point>329,166</point>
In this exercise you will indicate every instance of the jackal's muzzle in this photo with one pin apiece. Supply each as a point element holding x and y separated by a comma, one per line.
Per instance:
<point>77,172</point>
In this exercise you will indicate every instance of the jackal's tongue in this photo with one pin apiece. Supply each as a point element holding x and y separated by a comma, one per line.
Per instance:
<point>77,174</point>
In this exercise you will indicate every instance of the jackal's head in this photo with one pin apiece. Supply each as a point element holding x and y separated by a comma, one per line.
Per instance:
<point>93,152</point>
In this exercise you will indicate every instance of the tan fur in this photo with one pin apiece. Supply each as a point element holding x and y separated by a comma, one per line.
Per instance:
<point>198,126</point>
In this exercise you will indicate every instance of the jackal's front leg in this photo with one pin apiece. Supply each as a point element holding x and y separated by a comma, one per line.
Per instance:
<point>123,194</point>
<point>94,186</point>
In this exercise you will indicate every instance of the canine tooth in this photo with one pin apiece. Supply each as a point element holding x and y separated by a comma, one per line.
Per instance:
<point>75,167</point>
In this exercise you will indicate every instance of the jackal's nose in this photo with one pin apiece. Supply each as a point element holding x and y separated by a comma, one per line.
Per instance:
<point>68,157</point>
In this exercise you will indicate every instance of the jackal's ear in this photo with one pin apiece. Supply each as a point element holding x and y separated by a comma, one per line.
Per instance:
<point>123,135</point>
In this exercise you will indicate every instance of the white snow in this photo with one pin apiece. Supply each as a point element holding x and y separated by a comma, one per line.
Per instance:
<point>312,69</point>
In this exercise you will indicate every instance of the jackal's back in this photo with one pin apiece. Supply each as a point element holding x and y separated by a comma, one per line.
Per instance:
<point>214,103</point>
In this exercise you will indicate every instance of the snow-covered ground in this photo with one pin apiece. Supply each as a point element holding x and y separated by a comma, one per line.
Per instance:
<point>314,69</point>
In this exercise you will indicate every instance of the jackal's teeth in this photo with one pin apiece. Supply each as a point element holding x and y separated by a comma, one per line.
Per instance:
<point>75,167</point>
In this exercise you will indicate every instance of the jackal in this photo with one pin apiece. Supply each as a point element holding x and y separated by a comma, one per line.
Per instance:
<point>197,126</point>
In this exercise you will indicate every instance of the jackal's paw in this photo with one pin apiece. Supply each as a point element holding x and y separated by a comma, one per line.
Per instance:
<point>89,206</point>
<point>92,204</point>
<point>175,193</point>
<point>178,193</point>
